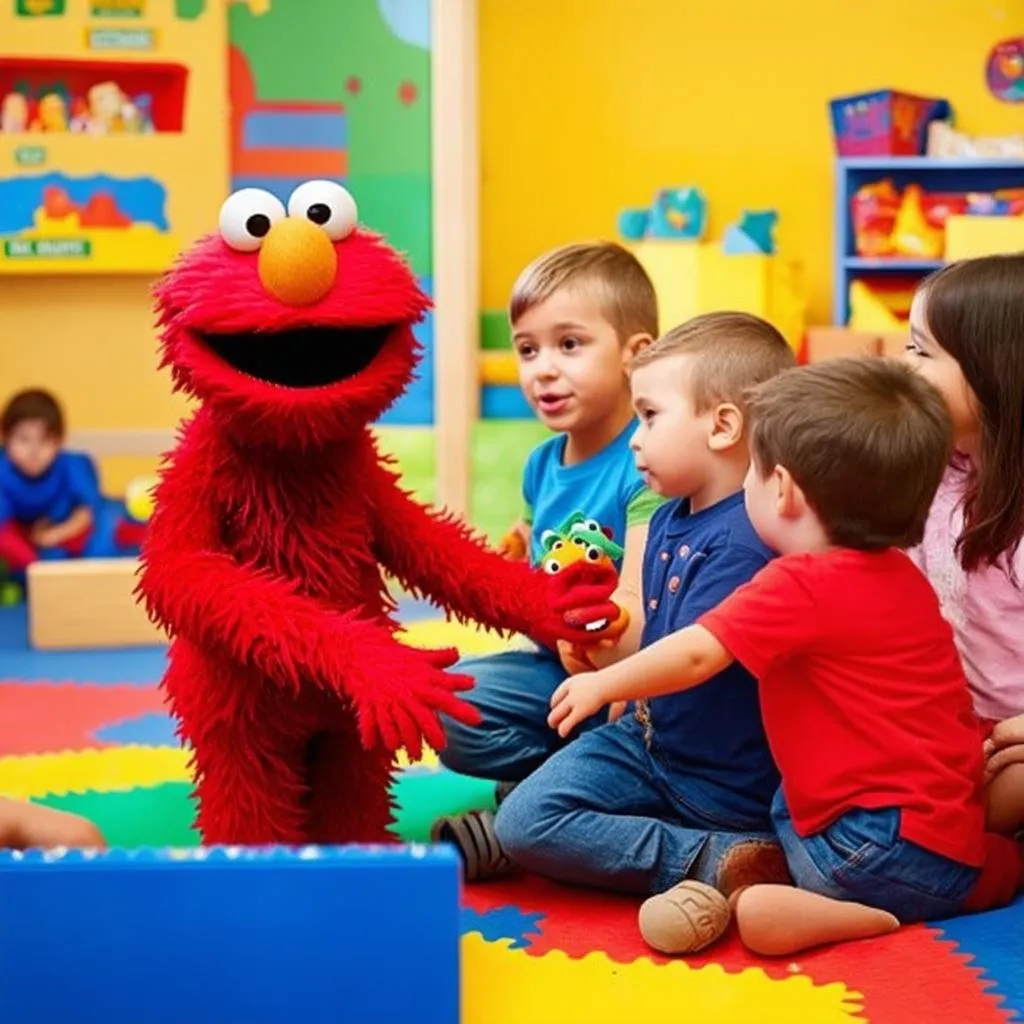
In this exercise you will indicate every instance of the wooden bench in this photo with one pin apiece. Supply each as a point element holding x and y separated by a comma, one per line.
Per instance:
<point>90,603</point>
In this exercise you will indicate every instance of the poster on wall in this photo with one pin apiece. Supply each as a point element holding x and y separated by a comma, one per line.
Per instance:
<point>1004,71</point>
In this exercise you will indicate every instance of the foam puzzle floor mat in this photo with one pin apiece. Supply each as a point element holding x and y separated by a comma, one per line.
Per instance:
<point>88,733</point>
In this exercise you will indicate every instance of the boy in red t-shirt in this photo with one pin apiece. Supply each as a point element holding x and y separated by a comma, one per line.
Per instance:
<point>881,809</point>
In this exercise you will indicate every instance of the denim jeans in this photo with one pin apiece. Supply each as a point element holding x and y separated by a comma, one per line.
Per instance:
<point>605,813</point>
<point>513,694</point>
<point>861,857</point>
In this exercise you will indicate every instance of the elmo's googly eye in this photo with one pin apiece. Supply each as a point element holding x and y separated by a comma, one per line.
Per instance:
<point>247,216</point>
<point>326,204</point>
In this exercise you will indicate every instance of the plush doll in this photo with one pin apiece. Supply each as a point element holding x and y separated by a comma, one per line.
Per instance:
<point>276,512</point>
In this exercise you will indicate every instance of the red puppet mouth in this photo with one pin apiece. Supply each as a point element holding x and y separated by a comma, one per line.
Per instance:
<point>301,357</point>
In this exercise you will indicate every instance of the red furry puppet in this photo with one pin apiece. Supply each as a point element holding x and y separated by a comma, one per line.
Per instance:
<point>275,513</point>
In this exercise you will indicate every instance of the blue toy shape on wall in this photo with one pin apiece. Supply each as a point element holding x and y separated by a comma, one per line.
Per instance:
<point>754,232</point>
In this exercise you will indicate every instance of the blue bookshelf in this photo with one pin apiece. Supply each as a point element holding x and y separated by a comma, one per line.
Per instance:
<point>933,175</point>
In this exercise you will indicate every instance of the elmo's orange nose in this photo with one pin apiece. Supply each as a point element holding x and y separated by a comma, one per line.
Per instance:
<point>297,262</point>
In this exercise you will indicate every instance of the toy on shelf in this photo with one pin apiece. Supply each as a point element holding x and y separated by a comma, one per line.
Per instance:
<point>106,109</point>
<point>881,304</point>
<point>885,123</point>
<point>754,232</point>
<point>680,213</point>
<point>945,141</point>
<point>912,234</point>
<point>14,113</point>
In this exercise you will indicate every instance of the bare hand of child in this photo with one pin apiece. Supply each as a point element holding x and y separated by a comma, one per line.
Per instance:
<point>1005,746</point>
<point>25,826</point>
<point>515,544</point>
<point>43,534</point>
<point>575,701</point>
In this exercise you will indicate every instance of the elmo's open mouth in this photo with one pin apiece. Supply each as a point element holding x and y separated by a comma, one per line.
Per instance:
<point>307,357</point>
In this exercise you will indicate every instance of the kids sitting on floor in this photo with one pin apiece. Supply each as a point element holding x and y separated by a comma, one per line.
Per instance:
<point>682,786</point>
<point>967,338</point>
<point>50,502</point>
<point>866,707</point>
<point>579,314</point>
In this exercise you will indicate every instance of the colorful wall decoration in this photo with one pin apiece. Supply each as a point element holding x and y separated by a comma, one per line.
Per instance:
<point>731,97</point>
<point>322,89</point>
<point>108,147</point>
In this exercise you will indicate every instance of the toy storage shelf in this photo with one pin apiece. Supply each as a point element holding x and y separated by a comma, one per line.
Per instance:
<point>933,174</point>
<point>113,135</point>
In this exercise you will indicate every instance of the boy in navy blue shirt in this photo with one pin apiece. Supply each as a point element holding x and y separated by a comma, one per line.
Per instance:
<point>682,786</point>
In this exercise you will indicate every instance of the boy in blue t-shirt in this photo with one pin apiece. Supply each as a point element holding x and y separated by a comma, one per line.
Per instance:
<point>579,315</point>
<point>682,786</point>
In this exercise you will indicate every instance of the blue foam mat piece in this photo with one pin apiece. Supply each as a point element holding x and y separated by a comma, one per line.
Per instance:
<point>994,940</point>
<point>151,730</point>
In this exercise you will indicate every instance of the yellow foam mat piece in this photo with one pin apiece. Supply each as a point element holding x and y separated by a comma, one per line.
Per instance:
<point>470,640</point>
<point>502,985</point>
<point>74,771</point>
<point>113,769</point>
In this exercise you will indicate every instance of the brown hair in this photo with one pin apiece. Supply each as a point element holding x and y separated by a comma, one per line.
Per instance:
<point>621,285</point>
<point>33,404</point>
<point>975,311</point>
<point>866,439</point>
<point>735,351</point>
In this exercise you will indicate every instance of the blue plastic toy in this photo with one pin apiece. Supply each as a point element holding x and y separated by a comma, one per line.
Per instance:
<point>225,934</point>
<point>753,233</point>
<point>680,213</point>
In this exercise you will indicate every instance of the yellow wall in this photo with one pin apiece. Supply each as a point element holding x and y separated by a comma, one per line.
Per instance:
<point>91,339</point>
<point>589,106</point>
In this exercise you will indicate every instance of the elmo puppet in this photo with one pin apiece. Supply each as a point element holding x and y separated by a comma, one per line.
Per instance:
<point>276,512</point>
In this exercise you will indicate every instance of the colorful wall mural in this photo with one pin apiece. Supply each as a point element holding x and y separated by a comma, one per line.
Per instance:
<point>342,91</point>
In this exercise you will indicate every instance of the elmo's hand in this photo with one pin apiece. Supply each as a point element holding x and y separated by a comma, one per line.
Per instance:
<point>401,707</point>
<point>578,595</point>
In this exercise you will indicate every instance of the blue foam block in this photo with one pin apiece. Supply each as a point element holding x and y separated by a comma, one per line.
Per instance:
<point>213,935</point>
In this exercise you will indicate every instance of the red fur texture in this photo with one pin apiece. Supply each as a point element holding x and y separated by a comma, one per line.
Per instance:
<point>274,516</point>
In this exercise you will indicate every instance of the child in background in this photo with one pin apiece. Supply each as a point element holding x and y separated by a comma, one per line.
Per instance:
<point>46,500</point>
<point>865,703</point>
<point>50,502</point>
<point>579,314</point>
<point>682,787</point>
<point>967,338</point>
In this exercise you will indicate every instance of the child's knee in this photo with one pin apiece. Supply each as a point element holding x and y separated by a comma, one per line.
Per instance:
<point>527,826</point>
<point>1006,800</point>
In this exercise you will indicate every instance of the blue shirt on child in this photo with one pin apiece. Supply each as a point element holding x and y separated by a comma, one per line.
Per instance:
<point>69,483</point>
<point>606,488</point>
<point>712,732</point>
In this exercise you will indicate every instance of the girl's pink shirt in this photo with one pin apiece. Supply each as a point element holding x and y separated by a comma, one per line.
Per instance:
<point>984,607</point>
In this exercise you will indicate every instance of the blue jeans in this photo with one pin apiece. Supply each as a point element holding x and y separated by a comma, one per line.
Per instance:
<point>861,857</point>
<point>605,813</point>
<point>513,694</point>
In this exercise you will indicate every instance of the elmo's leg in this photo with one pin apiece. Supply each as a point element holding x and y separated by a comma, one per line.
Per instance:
<point>349,799</point>
<point>248,754</point>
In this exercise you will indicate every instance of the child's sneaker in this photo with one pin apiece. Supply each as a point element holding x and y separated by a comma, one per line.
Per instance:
<point>474,837</point>
<point>685,919</point>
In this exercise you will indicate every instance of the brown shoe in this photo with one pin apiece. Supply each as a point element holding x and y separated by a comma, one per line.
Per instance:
<point>684,919</point>
<point>752,862</point>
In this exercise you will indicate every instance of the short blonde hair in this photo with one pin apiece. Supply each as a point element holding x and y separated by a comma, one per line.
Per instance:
<point>619,282</point>
<point>732,352</point>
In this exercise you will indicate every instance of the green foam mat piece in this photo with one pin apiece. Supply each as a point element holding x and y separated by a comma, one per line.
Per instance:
<point>148,816</point>
<point>163,815</point>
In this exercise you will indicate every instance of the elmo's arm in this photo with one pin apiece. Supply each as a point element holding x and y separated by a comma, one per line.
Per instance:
<point>435,554</point>
<point>198,591</point>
